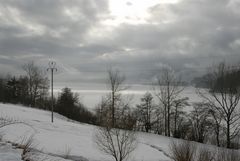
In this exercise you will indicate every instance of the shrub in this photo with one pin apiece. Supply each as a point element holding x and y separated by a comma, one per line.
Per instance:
<point>182,151</point>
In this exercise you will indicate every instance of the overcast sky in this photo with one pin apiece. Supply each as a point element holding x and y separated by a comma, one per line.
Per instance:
<point>86,37</point>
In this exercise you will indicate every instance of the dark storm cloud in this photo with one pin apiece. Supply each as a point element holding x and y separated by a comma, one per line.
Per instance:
<point>188,35</point>
<point>46,26</point>
<point>52,29</point>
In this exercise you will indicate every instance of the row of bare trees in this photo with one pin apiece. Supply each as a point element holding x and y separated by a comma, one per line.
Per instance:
<point>30,89</point>
<point>214,118</point>
<point>223,95</point>
<point>37,83</point>
<point>167,90</point>
<point>218,109</point>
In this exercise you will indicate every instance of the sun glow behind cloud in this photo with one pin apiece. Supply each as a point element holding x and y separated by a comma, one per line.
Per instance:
<point>132,11</point>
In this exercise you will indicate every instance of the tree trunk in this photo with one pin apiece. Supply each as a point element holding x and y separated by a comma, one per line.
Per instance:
<point>146,127</point>
<point>175,121</point>
<point>113,109</point>
<point>217,135</point>
<point>168,110</point>
<point>165,120</point>
<point>228,134</point>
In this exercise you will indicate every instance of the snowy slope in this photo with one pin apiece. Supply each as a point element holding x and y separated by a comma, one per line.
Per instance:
<point>61,136</point>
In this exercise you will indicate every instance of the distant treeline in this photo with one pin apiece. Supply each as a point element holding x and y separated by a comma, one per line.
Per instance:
<point>32,90</point>
<point>230,77</point>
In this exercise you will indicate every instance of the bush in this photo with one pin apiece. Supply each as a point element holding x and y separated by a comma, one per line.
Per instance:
<point>27,143</point>
<point>205,155</point>
<point>182,151</point>
<point>187,151</point>
<point>228,155</point>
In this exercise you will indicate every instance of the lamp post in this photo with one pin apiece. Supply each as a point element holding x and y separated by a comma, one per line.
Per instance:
<point>52,68</point>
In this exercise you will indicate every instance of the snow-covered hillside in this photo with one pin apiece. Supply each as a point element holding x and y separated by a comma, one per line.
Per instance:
<point>64,136</point>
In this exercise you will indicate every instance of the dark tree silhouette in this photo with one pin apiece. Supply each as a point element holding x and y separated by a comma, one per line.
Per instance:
<point>145,111</point>
<point>223,95</point>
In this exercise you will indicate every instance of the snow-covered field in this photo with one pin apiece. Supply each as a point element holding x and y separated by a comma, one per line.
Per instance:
<point>65,136</point>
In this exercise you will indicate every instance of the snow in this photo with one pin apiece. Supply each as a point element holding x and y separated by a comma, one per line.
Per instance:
<point>8,153</point>
<point>70,138</point>
<point>38,156</point>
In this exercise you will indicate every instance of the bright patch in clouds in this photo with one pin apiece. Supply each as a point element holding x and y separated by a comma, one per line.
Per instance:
<point>73,13</point>
<point>132,11</point>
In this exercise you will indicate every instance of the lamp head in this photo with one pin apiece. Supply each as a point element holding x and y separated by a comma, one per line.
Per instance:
<point>52,64</point>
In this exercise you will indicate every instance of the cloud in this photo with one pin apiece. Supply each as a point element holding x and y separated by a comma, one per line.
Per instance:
<point>188,35</point>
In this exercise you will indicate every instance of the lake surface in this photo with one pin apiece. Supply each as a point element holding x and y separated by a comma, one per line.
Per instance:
<point>92,95</point>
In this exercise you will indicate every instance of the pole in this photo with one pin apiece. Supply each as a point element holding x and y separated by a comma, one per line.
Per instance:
<point>52,68</point>
<point>52,93</point>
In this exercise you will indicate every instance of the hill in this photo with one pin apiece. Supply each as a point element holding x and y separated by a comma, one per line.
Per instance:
<point>66,137</point>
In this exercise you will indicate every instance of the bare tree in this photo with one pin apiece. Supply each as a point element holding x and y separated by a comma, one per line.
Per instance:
<point>112,141</point>
<point>124,115</point>
<point>103,113</point>
<point>115,83</point>
<point>217,119</point>
<point>223,95</point>
<point>37,82</point>
<point>159,125</point>
<point>178,105</point>
<point>145,111</point>
<point>167,90</point>
<point>115,142</point>
<point>200,122</point>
